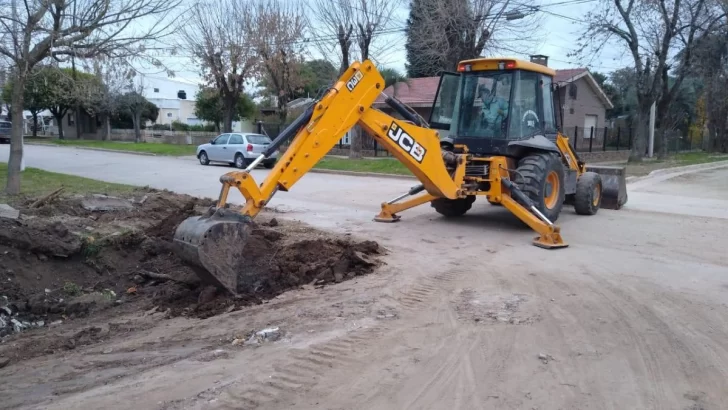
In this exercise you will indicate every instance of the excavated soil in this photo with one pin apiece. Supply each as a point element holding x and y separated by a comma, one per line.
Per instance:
<point>62,262</point>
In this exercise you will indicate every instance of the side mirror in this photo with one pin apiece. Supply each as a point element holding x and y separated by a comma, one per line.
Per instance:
<point>212,141</point>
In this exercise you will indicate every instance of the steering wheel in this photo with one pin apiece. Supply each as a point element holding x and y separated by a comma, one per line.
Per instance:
<point>530,123</point>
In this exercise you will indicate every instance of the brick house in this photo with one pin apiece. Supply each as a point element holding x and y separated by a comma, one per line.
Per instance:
<point>582,100</point>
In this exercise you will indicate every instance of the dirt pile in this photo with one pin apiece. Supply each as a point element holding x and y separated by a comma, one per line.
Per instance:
<point>64,261</point>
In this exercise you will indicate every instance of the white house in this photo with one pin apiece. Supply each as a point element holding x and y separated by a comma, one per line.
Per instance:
<point>175,98</point>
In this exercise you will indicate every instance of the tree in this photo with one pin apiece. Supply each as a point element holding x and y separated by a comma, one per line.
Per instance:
<point>209,107</point>
<point>651,32</point>
<point>40,29</point>
<point>220,36</point>
<point>393,78</point>
<point>440,33</point>
<point>134,104</point>
<point>280,30</point>
<point>37,89</point>
<point>347,26</point>
<point>122,118</point>
<point>611,91</point>
<point>317,75</point>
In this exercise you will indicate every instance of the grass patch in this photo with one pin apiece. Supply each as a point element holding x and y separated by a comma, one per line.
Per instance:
<point>379,166</point>
<point>147,147</point>
<point>37,183</point>
<point>675,160</point>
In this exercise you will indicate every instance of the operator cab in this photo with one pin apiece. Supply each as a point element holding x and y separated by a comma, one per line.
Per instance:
<point>495,106</point>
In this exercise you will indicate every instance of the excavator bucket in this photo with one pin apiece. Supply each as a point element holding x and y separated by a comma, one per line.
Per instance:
<point>214,245</point>
<point>614,185</point>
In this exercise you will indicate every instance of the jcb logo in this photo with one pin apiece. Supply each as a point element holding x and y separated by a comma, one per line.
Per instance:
<point>354,81</point>
<point>398,135</point>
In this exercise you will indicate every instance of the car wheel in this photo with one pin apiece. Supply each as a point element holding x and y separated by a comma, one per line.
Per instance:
<point>239,161</point>
<point>203,158</point>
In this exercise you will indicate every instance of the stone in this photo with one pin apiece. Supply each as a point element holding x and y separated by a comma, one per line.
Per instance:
<point>105,203</point>
<point>4,361</point>
<point>8,212</point>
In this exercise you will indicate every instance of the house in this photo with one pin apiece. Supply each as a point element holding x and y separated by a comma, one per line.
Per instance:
<point>583,102</point>
<point>175,98</point>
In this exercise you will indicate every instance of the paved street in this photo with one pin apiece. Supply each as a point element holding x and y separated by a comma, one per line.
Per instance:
<point>465,314</point>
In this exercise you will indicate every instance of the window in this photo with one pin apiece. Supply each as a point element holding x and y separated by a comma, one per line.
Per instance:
<point>258,139</point>
<point>71,120</point>
<point>484,104</point>
<point>572,91</point>
<point>156,90</point>
<point>445,101</point>
<point>4,125</point>
<point>169,115</point>
<point>549,119</point>
<point>236,139</point>
<point>221,140</point>
<point>525,121</point>
<point>182,95</point>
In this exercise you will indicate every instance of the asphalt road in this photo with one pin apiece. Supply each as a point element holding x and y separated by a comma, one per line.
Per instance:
<point>327,200</point>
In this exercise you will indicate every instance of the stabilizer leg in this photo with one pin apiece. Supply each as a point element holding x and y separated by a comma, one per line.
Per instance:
<point>390,209</point>
<point>549,234</point>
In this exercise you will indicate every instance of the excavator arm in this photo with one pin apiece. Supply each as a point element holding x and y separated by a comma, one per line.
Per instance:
<point>348,103</point>
<point>214,243</point>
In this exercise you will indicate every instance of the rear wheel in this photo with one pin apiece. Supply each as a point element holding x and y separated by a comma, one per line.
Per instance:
<point>588,198</point>
<point>239,161</point>
<point>540,177</point>
<point>269,164</point>
<point>453,207</point>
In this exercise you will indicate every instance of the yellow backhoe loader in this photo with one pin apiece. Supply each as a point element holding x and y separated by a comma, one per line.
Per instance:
<point>492,132</point>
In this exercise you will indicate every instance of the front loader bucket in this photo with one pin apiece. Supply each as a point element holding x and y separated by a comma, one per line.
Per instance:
<point>614,185</point>
<point>213,244</point>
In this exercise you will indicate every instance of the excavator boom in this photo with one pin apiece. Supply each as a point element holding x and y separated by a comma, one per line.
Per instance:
<point>214,242</point>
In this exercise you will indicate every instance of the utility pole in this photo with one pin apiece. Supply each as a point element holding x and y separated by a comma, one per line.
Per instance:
<point>77,107</point>
<point>651,144</point>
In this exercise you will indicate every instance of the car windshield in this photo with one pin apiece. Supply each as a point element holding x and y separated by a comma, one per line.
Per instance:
<point>258,139</point>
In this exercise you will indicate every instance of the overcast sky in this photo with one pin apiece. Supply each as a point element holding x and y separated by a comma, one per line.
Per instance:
<point>559,28</point>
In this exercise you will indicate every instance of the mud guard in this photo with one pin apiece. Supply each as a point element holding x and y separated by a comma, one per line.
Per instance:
<point>614,185</point>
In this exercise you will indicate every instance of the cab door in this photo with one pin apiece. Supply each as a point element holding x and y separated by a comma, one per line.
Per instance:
<point>445,107</point>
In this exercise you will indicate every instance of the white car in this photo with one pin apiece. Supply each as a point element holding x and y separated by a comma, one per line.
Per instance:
<point>239,149</point>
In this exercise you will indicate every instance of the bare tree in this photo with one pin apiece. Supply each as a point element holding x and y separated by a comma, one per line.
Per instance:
<point>280,28</point>
<point>220,35</point>
<point>61,28</point>
<point>334,22</point>
<point>467,29</point>
<point>652,32</point>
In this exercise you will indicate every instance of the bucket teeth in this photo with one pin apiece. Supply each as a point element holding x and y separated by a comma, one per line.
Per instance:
<point>614,185</point>
<point>213,244</point>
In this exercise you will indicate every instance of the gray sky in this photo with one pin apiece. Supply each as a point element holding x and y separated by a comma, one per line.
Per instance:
<point>558,32</point>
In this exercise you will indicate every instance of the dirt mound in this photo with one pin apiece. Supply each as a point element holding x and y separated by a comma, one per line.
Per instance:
<point>62,262</point>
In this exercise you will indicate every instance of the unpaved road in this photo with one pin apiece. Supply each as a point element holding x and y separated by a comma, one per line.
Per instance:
<point>467,314</point>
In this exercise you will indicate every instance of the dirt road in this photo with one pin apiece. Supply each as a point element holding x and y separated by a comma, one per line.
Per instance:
<point>466,314</point>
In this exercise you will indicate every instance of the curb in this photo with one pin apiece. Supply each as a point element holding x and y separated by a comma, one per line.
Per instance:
<point>675,170</point>
<point>149,154</point>
<point>360,174</point>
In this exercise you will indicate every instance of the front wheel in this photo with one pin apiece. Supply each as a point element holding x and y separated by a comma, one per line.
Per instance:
<point>588,198</point>
<point>540,177</point>
<point>204,160</point>
<point>240,161</point>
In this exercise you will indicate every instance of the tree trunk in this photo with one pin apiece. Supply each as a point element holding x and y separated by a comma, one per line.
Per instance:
<point>229,103</point>
<point>59,120</point>
<point>641,134</point>
<point>356,143</point>
<point>107,133</point>
<point>662,152</point>
<point>16,137</point>
<point>35,124</point>
<point>136,119</point>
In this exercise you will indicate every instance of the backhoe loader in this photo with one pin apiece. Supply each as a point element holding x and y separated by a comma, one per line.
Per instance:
<point>492,132</point>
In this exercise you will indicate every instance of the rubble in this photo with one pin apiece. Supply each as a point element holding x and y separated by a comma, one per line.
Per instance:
<point>8,212</point>
<point>106,203</point>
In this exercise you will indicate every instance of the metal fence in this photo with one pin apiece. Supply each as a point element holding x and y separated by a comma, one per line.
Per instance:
<point>581,139</point>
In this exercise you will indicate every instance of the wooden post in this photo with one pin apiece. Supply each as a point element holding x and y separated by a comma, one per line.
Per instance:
<point>604,143</point>
<point>591,138</point>
<point>619,132</point>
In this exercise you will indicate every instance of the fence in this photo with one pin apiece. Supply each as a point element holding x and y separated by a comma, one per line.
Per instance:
<point>581,139</point>
<point>614,139</point>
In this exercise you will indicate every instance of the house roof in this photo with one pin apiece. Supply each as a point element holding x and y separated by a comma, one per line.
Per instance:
<point>420,92</point>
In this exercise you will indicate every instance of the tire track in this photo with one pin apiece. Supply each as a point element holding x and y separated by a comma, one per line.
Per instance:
<point>300,373</point>
<point>425,289</point>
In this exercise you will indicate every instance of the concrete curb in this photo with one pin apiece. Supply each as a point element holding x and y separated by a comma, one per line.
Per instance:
<point>118,151</point>
<point>676,170</point>
<point>361,174</point>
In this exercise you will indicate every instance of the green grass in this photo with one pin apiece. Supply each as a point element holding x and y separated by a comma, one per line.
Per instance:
<point>692,158</point>
<point>148,147</point>
<point>37,183</point>
<point>380,166</point>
